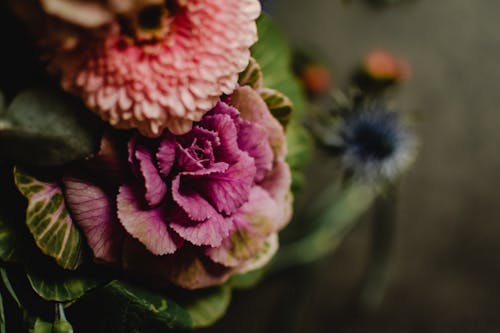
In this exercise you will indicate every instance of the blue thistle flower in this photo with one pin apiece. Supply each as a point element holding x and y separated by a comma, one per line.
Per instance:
<point>376,144</point>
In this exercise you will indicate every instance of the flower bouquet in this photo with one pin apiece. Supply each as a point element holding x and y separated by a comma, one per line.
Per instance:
<point>150,152</point>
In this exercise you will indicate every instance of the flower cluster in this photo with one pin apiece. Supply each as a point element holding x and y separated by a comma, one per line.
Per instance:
<point>189,209</point>
<point>198,188</point>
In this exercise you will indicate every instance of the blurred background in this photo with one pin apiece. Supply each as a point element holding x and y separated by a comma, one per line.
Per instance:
<point>444,274</point>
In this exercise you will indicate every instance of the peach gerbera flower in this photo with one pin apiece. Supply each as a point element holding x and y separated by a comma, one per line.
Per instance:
<point>161,65</point>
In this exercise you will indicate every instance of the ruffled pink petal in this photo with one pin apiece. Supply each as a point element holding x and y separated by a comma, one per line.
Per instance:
<point>228,150</point>
<point>253,109</point>
<point>253,139</point>
<point>189,199</point>
<point>92,209</point>
<point>147,226</point>
<point>154,186</point>
<point>228,190</point>
<point>210,232</point>
<point>277,184</point>
<point>254,223</point>
<point>166,155</point>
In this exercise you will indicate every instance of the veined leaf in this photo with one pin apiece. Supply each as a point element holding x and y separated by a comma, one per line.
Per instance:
<point>280,105</point>
<point>252,75</point>
<point>49,221</point>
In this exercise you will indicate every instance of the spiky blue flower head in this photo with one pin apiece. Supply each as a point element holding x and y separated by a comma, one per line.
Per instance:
<point>377,144</point>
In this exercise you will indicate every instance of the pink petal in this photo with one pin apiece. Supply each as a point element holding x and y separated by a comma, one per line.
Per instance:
<point>154,186</point>
<point>224,125</point>
<point>253,139</point>
<point>254,223</point>
<point>210,232</point>
<point>189,199</point>
<point>166,156</point>
<point>148,226</point>
<point>254,109</point>
<point>93,210</point>
<point>227,191</point>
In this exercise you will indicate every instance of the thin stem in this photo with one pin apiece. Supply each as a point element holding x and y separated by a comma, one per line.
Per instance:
<point>383,229</point>
<point>335,222</point>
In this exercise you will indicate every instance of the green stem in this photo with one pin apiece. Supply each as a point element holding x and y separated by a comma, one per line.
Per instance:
<point>383,227</point>
<point>335,222</point>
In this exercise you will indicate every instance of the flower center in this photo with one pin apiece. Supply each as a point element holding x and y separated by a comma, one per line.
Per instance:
<point>374,142</point>
<point>151,17</point>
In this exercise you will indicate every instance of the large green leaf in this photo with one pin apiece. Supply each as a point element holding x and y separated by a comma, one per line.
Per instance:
<point>123,308</point>
<point>49,221</point>
<point>46,127</point>
<point>207,306</point>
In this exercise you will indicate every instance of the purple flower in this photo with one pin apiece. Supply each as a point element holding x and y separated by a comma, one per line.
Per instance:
<point>191,209</point>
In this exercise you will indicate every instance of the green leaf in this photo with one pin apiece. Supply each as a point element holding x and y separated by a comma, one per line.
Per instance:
<point>46,127</point>
<point>273,54</point>
<point>252,75</point>
<point>300,145</point>
<point>9,243</point>
<point>49,221</point>
<point>41,327</point>
<point>208,306</point>
<point>123,308</point>
<point>247,280</point>
<point>59,285</point>
<point>280,105</point>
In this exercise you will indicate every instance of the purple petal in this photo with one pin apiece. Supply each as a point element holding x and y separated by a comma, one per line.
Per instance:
<point>93,210</point>
<point>227,191</point>
<point>166,156</point>
<point>253,108</point>
<point>154,186</point>
<point>224,125</point>
<point>223,107</point>
<point>187,161</point>
<point>148,226</point>
<point>254,223</point>
<point>253,139</point>
<point>189,199</point>
<point>210,232</point>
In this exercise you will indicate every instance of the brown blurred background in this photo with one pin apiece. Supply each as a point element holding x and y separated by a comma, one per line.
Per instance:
<point>445,269</point>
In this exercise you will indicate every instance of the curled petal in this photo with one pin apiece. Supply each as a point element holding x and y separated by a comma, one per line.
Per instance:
<point>94,212</point>
<point>147,226</point>
<point>253,224</point>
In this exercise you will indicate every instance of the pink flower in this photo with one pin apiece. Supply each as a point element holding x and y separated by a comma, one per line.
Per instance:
<point>189,209</point>
<point>161,66</point>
